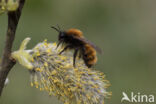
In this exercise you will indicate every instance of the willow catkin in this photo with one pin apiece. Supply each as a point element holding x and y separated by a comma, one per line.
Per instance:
<point>8,5</point>
<point>55,74</point>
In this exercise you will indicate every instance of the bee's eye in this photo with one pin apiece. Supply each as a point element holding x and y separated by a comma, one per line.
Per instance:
<point>61,35</point>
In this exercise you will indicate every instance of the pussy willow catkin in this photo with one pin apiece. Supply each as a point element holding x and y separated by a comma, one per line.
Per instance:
<point>56,75</point>
<point>8,5</point>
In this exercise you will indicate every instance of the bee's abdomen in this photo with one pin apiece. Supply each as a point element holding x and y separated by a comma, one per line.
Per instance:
<point>89,55</point>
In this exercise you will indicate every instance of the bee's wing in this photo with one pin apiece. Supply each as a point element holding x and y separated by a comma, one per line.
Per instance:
<point>89,42</point>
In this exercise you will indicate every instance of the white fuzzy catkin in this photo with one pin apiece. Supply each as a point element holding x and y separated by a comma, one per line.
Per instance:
<point>55,74</point>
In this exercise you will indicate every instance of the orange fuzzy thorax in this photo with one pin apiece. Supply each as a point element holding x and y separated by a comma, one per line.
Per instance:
<point>74,32</point>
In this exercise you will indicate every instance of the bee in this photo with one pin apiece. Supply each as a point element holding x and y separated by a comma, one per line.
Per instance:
<point>74,39</point>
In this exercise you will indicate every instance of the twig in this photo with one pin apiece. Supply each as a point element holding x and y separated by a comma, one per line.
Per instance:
<point>7,62</point>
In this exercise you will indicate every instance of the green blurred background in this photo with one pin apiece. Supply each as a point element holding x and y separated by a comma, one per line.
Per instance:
<point>124,29</point>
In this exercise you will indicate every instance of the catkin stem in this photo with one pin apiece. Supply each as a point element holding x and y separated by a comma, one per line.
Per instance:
<point>7,62</point>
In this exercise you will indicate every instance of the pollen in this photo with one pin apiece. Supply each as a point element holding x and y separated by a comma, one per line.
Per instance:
<point>32,60</point>
<point>31,84</point>
<point>45,43</point>
<point>38,69</point>
<point>55,74</point>
<point>54,44</point>
<point>38,54</point>
<point>48,50</point>
<point>45,64</point>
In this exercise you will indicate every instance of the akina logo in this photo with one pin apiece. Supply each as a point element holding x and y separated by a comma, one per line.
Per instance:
<point>137,97</point>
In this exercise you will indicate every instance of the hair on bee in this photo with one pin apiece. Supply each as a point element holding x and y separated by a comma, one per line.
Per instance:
<point>74,39</point>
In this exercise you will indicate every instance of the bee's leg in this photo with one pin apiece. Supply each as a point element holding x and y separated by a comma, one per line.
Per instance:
<point>74,57</point>
<point>80,54</point>
<point>68,46</point>
<point>58,44</point>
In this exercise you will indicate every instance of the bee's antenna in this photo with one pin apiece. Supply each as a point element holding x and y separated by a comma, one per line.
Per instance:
<point>57,29</point>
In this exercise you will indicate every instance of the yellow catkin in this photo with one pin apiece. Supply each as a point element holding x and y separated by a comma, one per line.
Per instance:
<point>56,75</point>
<point>9,5</point>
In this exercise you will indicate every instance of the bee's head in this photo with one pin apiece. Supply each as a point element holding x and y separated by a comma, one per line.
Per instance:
<point>61,33</point>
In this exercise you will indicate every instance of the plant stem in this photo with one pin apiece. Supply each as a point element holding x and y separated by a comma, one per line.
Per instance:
<point>7,62</point>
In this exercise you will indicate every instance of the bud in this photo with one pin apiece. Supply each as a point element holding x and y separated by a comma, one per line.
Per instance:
<point>8,5</point>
